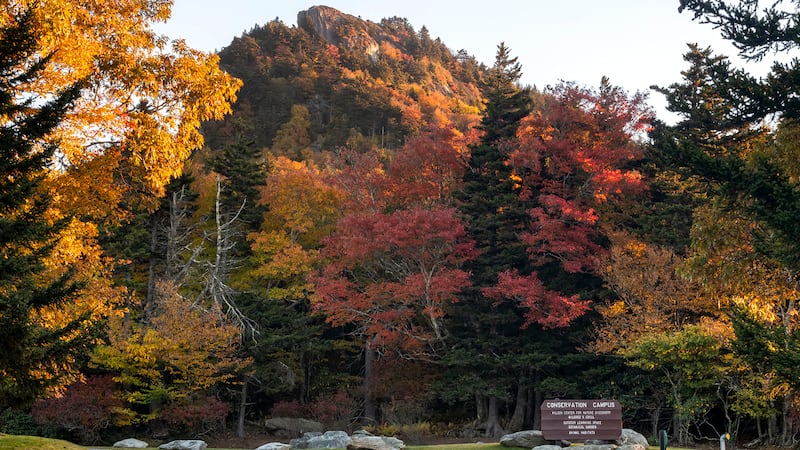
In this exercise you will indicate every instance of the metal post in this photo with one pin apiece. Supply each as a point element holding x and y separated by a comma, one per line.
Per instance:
<point>662,439</point>
<point>722,440</point>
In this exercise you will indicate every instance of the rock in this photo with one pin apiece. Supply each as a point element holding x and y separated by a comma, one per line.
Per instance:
<point>274,446</point>
<point>338,28</point>
<point>361,442</point>
<point>329,439</point>
<point>630,437</point>
<point>130,443</point>
<point>288,427</point>
<point>186,444</point>
<point>527,438</point>
<point>547,447</point>
<point>594,447</point>
<point>632,447</point>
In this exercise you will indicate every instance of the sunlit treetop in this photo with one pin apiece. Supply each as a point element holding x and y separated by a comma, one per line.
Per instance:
<point>144,98</point>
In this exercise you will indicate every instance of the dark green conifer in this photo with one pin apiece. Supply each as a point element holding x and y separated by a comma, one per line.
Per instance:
<point>26,236</point>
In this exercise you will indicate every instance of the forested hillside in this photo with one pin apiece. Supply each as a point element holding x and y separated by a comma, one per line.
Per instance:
<point>350,222</point>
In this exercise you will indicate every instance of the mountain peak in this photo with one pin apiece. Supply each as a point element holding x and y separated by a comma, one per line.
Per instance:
<point>340,29</point>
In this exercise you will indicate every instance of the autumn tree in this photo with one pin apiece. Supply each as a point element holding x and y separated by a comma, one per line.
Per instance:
<point>288,349</point>
<point>752,193</point>
<point>393,263</point>
<point>38,354</point>
<point>181,352</point>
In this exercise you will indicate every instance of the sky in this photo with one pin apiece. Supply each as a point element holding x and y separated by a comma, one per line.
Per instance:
<point>636,43</point>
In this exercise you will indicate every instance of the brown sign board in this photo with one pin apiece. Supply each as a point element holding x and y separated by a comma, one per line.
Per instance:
<point>580,420</point>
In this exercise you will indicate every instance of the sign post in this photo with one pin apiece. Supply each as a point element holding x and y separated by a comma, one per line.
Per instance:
<point>580,420</point>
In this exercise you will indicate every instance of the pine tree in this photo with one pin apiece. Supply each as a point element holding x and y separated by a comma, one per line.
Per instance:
<point>495,215</point>
<point>26,235</point>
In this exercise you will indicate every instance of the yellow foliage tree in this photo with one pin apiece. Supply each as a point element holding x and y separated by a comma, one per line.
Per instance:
<point>302,210</point>
<point>183,350</point>
<point>136,122</point>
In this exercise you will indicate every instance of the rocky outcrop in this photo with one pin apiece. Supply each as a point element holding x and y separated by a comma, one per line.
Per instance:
<point>341,29</point>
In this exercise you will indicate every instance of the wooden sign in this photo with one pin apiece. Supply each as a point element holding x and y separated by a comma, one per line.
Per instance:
<point>580,420</point>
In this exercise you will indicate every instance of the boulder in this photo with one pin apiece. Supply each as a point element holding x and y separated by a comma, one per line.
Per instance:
<point>594,447</point>
<point>329,439</point>
<point>185,444</point>
<point>630,437</point>
<point>527,439</point>
<point>289,427</point>
<point>274,446</point>
<point>548,447</point>
<point>130,443</point>
<point>361,442</point>
<point>632,447</point>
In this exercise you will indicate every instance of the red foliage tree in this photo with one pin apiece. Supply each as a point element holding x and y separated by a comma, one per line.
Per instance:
<point>393,273</point>
<point>570,158</point>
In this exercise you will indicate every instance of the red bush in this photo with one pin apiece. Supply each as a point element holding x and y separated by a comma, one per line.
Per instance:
<point>290,409</point>
<point>86,407</point>
<point>196,414</point>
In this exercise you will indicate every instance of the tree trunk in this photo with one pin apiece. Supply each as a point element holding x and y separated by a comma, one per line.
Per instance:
<point>520,405</point>
<point>787,429</point>
<point>538,398</point>
<point>242,408</point>
<point>481,408</point>
<point>370,409</point>
<point>493,428</point>
<point>655,413</point>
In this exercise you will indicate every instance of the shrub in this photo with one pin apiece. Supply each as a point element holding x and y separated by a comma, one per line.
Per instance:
<point>17,422</point>
<point>196,414</point>
<point>337,409</point>
<point>86,407</point>
<point>291,408</point>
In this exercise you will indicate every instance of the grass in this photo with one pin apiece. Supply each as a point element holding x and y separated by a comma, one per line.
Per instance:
<point>9,442</point>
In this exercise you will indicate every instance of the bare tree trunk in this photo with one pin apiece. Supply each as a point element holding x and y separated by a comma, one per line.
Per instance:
<point>370,409</point>
<point>242,408</point>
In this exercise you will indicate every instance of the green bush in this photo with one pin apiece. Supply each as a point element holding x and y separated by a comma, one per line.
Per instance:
<point>17,422</point>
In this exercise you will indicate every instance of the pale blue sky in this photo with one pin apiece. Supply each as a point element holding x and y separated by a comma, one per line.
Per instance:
<point>636,43</point>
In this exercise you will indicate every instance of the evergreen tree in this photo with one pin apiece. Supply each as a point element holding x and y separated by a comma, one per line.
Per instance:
<point>26,236</point>
<point>485,337</point>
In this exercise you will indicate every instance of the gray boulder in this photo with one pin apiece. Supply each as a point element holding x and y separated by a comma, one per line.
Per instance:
<point>548,447</point>
<point>329,439</point>
<point>131,443</point>
<point>361,442</point>
<point>630,437</point>
<point>527,439</point>
<point>290,427</point>
<point>274,446</point>
<point>632,447</point>
<point>185,444</point>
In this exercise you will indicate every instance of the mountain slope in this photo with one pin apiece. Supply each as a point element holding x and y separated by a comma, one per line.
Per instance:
<point>360,81</point>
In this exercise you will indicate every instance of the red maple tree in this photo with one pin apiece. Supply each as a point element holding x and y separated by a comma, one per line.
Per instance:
<point>571,156</point>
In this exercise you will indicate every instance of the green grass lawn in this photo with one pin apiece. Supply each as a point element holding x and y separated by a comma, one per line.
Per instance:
<point>8,442</point>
